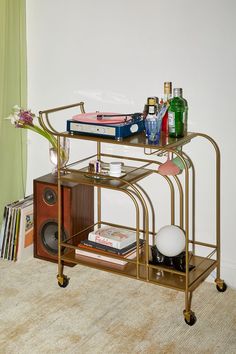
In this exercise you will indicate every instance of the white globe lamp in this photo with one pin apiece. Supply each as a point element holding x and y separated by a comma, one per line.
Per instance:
<point>170,240</point>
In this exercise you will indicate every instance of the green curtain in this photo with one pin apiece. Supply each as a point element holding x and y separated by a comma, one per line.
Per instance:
<point>13,90</point>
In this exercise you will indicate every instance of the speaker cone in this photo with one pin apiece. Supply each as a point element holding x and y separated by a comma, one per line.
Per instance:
<point>49,196</point>
<point>49,237</point>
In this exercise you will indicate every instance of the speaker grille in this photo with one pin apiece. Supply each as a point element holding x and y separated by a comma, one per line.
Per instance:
<point>49,237</point>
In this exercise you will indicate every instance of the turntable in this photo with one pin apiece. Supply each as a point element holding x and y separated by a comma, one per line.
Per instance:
<point>106,124</point>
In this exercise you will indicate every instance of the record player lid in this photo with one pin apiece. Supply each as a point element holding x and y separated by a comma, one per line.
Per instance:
<point>102,117</point>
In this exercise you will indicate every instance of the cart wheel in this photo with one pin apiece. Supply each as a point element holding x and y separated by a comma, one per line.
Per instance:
<point>190,318</point>
<point>221,287</point>
<point>63,281</point>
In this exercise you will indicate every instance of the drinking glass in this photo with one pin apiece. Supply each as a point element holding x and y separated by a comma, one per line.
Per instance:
<point>153,130</point>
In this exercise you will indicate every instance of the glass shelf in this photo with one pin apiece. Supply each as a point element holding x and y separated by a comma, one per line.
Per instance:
<point>131,175</point>
<point>138,140</point>
<point>203,267</point>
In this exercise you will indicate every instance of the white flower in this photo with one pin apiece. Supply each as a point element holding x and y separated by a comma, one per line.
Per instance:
<point>13,118</point>
<point>16,109</point>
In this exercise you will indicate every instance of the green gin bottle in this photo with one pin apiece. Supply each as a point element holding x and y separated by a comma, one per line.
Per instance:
<point>176,115</point>
<point>185,112</point>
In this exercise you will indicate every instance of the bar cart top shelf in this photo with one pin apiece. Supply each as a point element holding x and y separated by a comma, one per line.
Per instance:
<point>138,140</point>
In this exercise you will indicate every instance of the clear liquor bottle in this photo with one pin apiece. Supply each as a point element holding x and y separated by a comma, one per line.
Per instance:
<point>152,103</point>
<point>151,107</point>
<point>167,97</point>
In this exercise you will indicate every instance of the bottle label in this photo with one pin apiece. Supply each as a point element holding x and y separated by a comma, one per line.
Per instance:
<point>171,121</point>
<point>151,110</point>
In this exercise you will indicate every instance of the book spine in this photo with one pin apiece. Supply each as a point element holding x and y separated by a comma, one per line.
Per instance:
<point>99,247</point>
<point>104,241</point>
<point>91,246</point>
<point>8,234</point>
<point>102,247</point>
<point>99,256</point>
<point>3,230</point>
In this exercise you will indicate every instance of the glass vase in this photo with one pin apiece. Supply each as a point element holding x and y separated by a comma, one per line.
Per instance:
<point>64,154</point>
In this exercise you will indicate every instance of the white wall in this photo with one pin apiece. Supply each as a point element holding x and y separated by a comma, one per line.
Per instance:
<point>114,54</point>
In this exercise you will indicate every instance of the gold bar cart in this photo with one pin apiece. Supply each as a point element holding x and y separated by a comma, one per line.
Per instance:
<point>141,268</point>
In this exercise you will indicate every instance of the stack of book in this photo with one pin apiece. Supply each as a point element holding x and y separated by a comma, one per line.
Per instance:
<point>16,234</point>
<point>107,241</point>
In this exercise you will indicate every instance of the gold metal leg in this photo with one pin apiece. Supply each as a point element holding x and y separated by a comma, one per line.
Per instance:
<point>62,279</point>
<point>59,223</point>
<point>189,315</point>
<point>219,282</point>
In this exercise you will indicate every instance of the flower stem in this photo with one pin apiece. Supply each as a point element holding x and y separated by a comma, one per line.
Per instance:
<point>45,134</point>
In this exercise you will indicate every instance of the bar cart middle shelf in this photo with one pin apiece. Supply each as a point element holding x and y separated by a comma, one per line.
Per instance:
<point>135,170</point>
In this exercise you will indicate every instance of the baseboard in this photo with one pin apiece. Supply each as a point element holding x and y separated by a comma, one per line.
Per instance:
<point>227,273</point>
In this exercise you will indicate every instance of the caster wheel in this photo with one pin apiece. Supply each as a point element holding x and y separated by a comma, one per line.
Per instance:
<point>64,283</point>
<point>221,288</point>
<point>190,319</point>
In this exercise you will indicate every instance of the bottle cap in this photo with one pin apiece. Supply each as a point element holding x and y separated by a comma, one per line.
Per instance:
<point>177,92</point>
<point>167,87</point>
<point>152,101</point>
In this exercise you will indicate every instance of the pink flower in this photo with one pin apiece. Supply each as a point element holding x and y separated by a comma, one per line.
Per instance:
<point>24,118</point>
<point>21,118</point>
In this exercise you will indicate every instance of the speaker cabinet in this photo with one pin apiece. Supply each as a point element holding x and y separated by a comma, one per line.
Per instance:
<point>77,213</point>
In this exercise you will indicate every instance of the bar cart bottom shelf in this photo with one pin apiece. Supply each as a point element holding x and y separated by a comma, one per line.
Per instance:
<point>157,275</point>
<point>161,276</point>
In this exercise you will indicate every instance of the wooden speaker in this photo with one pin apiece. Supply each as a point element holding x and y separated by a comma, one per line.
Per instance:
<point>77,213</point>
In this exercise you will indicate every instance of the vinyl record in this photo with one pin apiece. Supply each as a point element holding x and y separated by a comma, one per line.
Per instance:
<point>102,117</point>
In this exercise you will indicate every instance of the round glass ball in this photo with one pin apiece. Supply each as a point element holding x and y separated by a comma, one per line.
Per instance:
<point>170,240</point>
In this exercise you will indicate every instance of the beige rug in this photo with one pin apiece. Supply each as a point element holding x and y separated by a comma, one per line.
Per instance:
<point>103,313</point>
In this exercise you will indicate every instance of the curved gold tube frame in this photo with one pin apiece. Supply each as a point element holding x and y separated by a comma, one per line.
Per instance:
<point>145,271</point>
